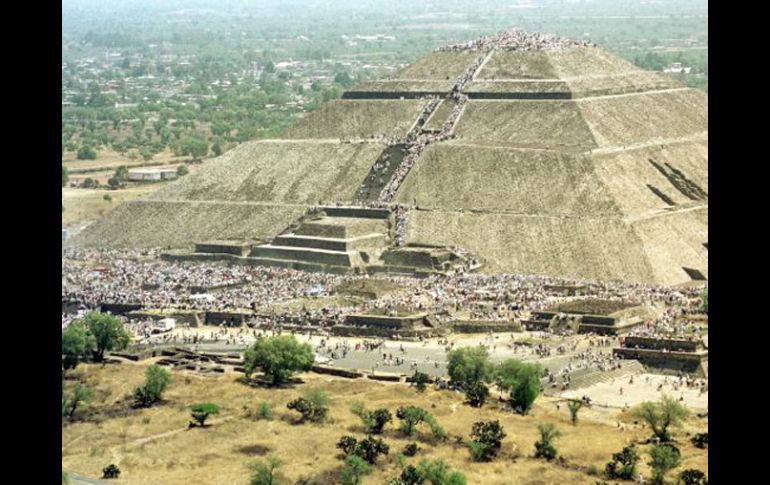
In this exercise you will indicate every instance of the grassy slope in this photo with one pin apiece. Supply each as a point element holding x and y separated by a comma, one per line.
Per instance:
<point>438,65</point>
<point>153,445</point>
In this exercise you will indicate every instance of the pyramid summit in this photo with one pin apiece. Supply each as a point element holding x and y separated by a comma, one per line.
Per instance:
<point>536,154</point>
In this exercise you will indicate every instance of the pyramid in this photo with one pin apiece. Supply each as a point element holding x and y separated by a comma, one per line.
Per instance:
<point>554,158</point>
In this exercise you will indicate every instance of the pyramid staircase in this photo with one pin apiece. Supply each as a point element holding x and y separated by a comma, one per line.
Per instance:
<point>339,240</point>
<point>589,378</point>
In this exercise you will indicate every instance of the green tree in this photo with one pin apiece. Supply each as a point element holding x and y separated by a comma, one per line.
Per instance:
<point>108,332</point>
<point>157,379</point>
<point>469,365</point>
<point>522,381</point>
<point>623,464</point>
<point>661,415</point>
<point>355,468</point>
<point>313,406</point>
<point>86,152</point>
<point>476,394</point>
<point>410,417</point>
<point>76,345</point>
<point>77,399</point>
<point>197,148</point>
<point>487,437</point>
<point>374,421</point>
<point>420,380</point>
<point>264,472</point>
<point>278,357</point>
<point>88,183</point>
<point>574,406</point>
<point>201,412</point>
<point>65,177</point>
<point>437,472</point>
<point>664,458</point>
<point>544,446</point>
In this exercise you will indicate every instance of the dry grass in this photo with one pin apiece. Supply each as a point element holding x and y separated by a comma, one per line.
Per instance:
<point>110,159</point>
<point>346,118</point>
<point>82,205</point>
<point>153,223</point>
<point>625,120</point>
<point>164,451</point>
<point>395,85</point>
<point>453,177</point>
<point>537,124</point>
<point>587,62</point>
<point>279,171</point>
<point>518,65</point>
<point>438,65</point>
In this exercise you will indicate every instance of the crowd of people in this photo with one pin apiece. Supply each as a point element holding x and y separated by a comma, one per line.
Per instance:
<point>517,39</point>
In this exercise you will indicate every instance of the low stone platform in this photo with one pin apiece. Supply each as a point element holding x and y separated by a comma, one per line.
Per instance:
<point>603,317</point>
<point>686,355</point>
<point>237,248</point>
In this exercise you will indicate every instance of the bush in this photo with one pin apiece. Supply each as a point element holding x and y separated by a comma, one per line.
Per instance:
<point>156,382</point>
<point>469,365</point>
<point>664,458</point>
<point>436,430</point>
<point>107,198</point>
<point>623,464</point>
<point>264,411</point>
<point>437,472</point>
<point>592,470</point>
<point>76,345</point>
<point>700,440</point>
<point>522,381</point>
<point>278,357</point>
<point>476,394</point>
<point>264,473</point>
<point>692,476</point>
<point>77,399</point>
<point>182,170</point>
<point>420,380</point>
<point>201,411</point>
<point>374,421</point>
<point>410,476</point>
<point>661,415</point>
<point>313,406</point>
<point>486,441</point>
<point>111,471</point>
<point>86,152</point>
<point>411,449</point>
<point>544,446</point>
<point>574,405</point>
<point>355,468</point>
<point>64,176</point>
<point>88,183</point>
<point>368,449</point>
<point>410,417</point>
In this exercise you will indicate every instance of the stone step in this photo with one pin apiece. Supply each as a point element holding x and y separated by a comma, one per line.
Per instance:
<point>301,265</point>
<point>356,212</point>
<point>310,255</point>
<point>342,227</point>
<point>367,241</point>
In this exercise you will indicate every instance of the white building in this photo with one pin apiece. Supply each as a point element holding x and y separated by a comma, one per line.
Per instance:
<point>151,174</point>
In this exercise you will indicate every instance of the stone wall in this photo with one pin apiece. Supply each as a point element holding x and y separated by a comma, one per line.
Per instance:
<point>680,345</point>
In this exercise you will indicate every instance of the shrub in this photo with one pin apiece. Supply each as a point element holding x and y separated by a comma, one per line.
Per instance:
<point>544,446</point>
<point>692,476</point>
<point>182,170</point>
<point>522,381</point>
<point>313,406</point>
<point>355,468</point>
<point>411,449</point>
<point>410,476</point>
<point>661,415</point>
<point>574,406</point>
<point>374,421</point>
<point>664,457</point>
<point>86,152</point>
<point>368,449</point>
<point>476,394</point>
<point>77,399</point>
<point>592,470</point>
<point>264,473</point>
<point>157,379</point>
<point>264,411</point>
<point>278,357</point>
<point>410,417</point>
<point>436,430</point>
<point>88,183</point>
<point>623,464</point>
<point>437,472</point>
<point>111,471</point>
<point>107,198</point>
<point>469,365</point>
<point>700,440</point>
<point>420,380</point>
<point>201,411</point>
<point>486,440</point>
